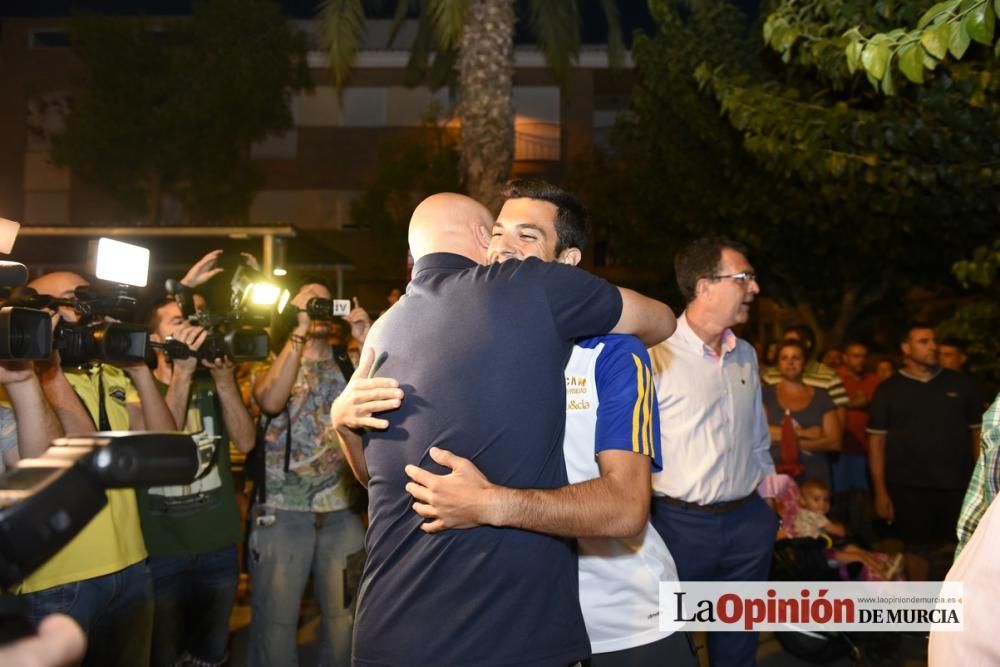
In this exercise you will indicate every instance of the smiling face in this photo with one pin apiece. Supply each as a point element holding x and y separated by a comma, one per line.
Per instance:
<point>524,228</point>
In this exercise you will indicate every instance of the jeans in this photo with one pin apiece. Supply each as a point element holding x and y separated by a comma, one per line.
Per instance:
<point>194,597</point>
<point>285,548</point>
<point>115,611</point>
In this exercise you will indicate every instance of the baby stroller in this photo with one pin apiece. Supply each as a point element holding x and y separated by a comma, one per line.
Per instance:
<point>806,559</point>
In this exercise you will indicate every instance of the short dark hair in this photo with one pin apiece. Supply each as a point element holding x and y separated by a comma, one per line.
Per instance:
<point>805,334</point>
<point>814,483</point>
<point>153,318</point>
<point>791,343</point>
<point>957,343</point>
<point>854,342</point>
<point>911,327</point>
<point>572,220</point>
<point>300,281</point>
<point>700,259</point>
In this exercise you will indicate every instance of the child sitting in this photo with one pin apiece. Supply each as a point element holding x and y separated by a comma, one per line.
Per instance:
<point>811,521</point>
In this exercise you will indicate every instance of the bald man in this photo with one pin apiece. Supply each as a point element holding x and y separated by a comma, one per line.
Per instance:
<point>100,578</point>
<point>479,351</point>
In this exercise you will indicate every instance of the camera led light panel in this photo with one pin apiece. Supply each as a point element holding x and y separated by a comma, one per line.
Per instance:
<point>122,263</point>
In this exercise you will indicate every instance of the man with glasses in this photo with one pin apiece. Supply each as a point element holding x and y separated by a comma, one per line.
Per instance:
<point>714,434</point>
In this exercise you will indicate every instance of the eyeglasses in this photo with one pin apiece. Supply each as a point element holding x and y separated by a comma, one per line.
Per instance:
<point>743,277</point>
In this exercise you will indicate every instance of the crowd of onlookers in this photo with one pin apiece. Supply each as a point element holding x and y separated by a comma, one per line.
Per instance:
<point>867,450</point>
<point>831,418</point>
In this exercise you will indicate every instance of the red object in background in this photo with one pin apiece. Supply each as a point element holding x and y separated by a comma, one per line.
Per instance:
<point>789,449</point>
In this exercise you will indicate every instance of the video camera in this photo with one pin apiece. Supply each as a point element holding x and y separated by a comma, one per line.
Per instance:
<point>92,337</point>
<point>318,308</point>
<point>239,334</point>
<point>46,502</point>
<point>25,333</point>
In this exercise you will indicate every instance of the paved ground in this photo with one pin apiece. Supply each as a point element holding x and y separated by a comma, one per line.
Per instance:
<point>910,652</point>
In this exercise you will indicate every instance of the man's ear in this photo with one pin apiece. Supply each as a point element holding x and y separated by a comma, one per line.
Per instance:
<point>571,256</point>
<point>483,235</point>
<point>700,286</point>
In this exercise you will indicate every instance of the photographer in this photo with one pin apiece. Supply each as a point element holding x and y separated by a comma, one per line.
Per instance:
<point>100,578</point>
<point>192,531</point>
<point>304,523</point>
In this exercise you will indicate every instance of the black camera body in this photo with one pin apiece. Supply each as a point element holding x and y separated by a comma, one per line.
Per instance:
<point>242,344</point>
<point>93,338</point>
<point>45,502</point>
<point>238,335</point>
<point>25,333</point>
<point>113,342</point>
<point>327,310</point>
<point>25,329</point>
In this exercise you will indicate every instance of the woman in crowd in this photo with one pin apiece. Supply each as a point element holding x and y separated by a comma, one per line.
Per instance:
<point>813,415</point>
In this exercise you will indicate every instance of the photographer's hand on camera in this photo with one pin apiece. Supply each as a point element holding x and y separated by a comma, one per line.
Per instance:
<point>71,413</point>
<point>37,425</point>
<point>182,370</point>
<point>308,338</point>
<point>193,336</point>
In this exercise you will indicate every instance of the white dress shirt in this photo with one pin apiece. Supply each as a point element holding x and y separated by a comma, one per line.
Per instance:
<point>714,435</point>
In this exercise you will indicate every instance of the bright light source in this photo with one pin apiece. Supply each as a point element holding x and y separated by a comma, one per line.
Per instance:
<point>8,234</point>
<point>280,272</point>
<point>122,263</point>
<point>267,294</point>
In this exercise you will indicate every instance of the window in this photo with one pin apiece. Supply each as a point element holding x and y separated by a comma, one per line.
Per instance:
<point>49,39</point>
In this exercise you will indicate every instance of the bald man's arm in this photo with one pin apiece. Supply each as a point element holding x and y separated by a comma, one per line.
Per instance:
<point>647,319</point>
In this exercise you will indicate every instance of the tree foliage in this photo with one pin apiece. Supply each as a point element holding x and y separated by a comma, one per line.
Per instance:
<point>473,41</point>
<point>408,171</point>
<point>872,38</point>
<point>847,197</point>
<point>175,111</point>
<point>977,321</point>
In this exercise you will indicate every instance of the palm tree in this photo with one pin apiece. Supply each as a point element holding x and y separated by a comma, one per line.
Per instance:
<point>482,33</point>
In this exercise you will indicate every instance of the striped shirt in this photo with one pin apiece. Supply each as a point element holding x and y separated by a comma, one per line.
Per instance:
<point>815,375</point>
<point>985,483</point>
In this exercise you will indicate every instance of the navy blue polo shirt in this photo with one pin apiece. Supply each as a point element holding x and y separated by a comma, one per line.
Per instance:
<point>479,352</point>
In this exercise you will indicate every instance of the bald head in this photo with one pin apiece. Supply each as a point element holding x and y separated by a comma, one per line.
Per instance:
<point>58,284</point>
<point>449,222</point>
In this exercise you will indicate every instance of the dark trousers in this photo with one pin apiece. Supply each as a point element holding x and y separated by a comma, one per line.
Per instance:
<point>731,546</point>
<point>194,597</point>
<point>673,651</point>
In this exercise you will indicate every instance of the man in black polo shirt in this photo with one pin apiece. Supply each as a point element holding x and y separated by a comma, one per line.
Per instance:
<point>923,440</point>
<point>479,351</point>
